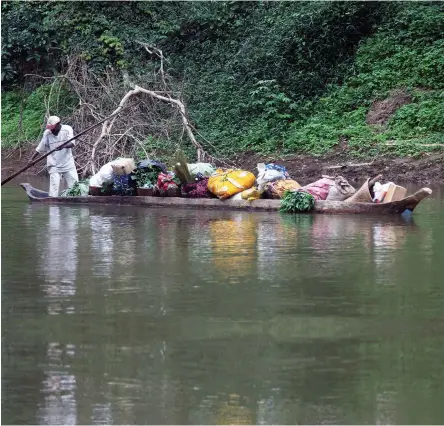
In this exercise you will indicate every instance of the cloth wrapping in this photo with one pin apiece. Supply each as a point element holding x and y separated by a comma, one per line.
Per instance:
<point>197,189</point>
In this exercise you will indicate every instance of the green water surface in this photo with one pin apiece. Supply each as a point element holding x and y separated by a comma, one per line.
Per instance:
<point>123,315</point>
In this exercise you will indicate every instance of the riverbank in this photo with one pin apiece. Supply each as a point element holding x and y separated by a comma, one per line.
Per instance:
<point>427,169</point>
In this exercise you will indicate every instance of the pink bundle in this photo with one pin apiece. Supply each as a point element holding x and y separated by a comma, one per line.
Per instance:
<point>319,189</point>
<point>197,189</point>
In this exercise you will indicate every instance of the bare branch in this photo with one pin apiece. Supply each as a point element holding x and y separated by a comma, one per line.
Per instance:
<point>154,107</point>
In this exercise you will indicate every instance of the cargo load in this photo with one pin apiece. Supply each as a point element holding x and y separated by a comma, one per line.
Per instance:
<point>270,173</point>
<point>201,169</point>
<point>276,190</point>
<point>123,166</point>
<point>197,189</point>
<point>168,185</point>
<point>226,183</point>
<point>388,192</point>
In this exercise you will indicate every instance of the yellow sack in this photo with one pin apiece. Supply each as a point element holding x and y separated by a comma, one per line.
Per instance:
<point>277,189</point>
<point>251,194</point>
<point>226,183</point>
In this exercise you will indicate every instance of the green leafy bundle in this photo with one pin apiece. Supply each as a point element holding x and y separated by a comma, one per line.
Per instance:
<point>147,177</point>
<point>297,202</point>
<point>79,189</point>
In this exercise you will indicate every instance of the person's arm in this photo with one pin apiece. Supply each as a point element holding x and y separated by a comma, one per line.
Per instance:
<point>41,148</point>
<point>68,145</point>
<point>70,136</point>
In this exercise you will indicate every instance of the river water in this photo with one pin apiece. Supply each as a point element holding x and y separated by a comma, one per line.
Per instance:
<point>123,315</point>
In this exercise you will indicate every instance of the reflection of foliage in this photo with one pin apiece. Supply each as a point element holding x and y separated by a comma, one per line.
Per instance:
<point>297,221</point>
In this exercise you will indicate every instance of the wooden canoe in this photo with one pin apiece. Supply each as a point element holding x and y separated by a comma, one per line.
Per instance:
<point>331,207</point>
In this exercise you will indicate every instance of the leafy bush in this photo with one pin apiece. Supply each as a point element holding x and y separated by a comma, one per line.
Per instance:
<point>399,55</point>
<point>23,114</point>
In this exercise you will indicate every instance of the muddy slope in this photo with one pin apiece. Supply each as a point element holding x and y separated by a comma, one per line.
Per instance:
<point>426,170</point>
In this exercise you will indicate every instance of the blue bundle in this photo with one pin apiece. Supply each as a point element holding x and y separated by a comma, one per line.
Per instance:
<point>278,168</point>
<point>124,185</point>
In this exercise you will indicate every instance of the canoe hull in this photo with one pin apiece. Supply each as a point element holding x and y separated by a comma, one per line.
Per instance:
<point>326,207</point>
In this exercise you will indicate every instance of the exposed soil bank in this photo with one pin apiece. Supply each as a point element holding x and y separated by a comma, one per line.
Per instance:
<point>304,169</point>
<point>428,169</point>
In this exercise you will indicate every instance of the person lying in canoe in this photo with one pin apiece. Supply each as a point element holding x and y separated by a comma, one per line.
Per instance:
<point>61,162</point>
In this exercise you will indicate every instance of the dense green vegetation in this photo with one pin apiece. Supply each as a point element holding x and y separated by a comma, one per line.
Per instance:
<point>262,76</point>
<point>23,113</point>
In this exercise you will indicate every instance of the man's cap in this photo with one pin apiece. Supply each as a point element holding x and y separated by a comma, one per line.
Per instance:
<point>52,122</point>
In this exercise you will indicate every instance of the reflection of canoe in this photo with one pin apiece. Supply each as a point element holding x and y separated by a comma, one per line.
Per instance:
<point>396,207</point>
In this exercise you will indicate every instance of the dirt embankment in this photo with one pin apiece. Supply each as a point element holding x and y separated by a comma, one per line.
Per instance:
<point>426,170</point>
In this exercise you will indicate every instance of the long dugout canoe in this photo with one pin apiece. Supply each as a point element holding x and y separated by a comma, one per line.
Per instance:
<point>327,207</point>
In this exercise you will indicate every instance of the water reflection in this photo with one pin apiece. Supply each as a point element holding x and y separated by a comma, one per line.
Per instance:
<point>233,246</point>
<point>124,241</point>
<point>385,407</point>
<point>59,388</point>
<point>102,245</point>
<point>223,409</point>
<point>386,240</point>
<point>58,259</point>
<point>230,409</point>
<point>340,233</point>
<point>271,237</point>
<point>266,411</point>
<point>307,333</point>
<point>102,414</point>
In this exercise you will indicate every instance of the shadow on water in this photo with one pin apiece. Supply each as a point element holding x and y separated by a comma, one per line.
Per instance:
<point>115,314</point>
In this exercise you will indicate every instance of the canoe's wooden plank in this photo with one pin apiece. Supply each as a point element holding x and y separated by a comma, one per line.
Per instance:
<point>328,207</point>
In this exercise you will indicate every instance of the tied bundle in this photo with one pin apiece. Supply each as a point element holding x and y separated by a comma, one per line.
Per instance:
<point>197,190</point>
<point>297,202</point>
<point>123,166</point>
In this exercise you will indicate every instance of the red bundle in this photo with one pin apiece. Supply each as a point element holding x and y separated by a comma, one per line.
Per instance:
<point>166,181</point>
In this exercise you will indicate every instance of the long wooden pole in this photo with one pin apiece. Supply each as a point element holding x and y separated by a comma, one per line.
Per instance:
<point>61,146</point>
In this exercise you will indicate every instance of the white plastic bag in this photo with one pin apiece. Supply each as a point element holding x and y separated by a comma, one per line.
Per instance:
<point>267,175</point>
<point>206,169</point>
<point>237,196</point>
<point>104,175</point>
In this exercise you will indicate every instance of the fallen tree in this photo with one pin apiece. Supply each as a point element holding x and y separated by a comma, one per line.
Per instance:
<point>154,125</point>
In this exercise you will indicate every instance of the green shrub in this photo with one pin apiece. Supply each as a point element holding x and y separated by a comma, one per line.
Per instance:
<point>23,114</point>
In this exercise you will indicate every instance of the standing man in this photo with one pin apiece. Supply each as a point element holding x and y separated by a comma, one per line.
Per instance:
<point>61,162</point>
